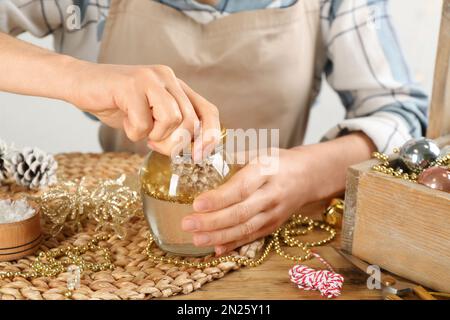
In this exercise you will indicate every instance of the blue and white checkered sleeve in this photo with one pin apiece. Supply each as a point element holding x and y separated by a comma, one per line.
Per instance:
<point>366,67</point>
<point>40,18</point>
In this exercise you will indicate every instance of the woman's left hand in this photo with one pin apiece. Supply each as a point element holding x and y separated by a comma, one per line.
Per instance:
<point>253,203</point>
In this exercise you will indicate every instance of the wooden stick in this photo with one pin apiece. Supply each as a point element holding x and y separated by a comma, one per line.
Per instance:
<point>439,118</point>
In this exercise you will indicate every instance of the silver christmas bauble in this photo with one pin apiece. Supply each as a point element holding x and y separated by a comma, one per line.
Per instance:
<point>418,154</point>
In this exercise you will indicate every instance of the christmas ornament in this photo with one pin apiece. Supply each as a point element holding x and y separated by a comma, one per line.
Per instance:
<point>169,186</point>
<point>74,281</point>
<point>436,178</point>
<point>396,166</point>
<point>391,168</point>
<point>334,213</point>
<point>110,204</point>
<point>33,168</point>
<point>418,154</point>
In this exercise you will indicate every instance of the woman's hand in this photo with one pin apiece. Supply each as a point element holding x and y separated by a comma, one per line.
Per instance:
<point>251,204</point>
<point>148,102</point>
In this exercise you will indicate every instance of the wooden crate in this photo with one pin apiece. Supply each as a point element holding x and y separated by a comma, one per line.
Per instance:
<point>404,227</point>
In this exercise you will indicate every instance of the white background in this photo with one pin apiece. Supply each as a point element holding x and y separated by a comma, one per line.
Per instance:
<point>56,127</point>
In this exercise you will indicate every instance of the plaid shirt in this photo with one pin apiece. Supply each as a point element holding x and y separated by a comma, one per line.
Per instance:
<point>365,64</point>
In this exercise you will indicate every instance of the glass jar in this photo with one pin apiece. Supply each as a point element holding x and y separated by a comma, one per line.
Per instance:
<point>169,187</point>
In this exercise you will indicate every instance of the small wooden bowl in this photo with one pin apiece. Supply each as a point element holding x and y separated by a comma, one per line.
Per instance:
<point>22,238</point>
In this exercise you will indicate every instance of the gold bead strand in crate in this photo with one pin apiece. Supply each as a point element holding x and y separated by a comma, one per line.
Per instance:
<point>443,161</point>
<point>384,167</point>
<point>298,225</point>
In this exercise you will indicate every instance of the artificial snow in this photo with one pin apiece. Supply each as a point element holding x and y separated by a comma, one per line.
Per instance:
<point>14,211</point>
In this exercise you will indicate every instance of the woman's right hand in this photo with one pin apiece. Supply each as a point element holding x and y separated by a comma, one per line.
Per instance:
<point>148,102</point>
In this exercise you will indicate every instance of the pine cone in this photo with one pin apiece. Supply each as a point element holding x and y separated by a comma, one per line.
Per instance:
<point>33,168</point>
<point>5,166</point>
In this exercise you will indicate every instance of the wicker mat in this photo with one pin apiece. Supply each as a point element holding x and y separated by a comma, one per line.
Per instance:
<point>134,276</point>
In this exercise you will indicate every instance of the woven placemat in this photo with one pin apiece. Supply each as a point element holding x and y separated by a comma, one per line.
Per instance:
<point>134,276</point>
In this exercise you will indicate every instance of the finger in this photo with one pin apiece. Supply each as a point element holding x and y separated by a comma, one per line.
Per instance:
<point>166,114</point>
<point>187,109</point>
<point>224,248</point>
<point>179,140</point>
<point>238,188</point>
<point>208,114</point>
<point>244,231</point>
<point>138,121</point>
<point>231,216</point>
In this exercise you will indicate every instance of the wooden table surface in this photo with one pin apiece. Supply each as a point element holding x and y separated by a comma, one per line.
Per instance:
<point>271,279</point>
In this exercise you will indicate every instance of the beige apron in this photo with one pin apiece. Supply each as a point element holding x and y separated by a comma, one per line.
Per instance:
<point>257,67</point>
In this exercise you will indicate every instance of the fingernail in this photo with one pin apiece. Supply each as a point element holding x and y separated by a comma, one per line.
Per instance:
<point>208,149</point>
<point>220,251</point>
<point>201,205</point>
<point>189,225</point>
<point>201,239</point>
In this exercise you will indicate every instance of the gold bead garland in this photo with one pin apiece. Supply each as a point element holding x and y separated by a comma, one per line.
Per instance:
<point>47,265</point>
<point>384,166</point>
<point>443,161</point>
<point>297,225</point>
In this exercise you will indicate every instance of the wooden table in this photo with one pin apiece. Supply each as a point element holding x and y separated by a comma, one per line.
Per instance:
<point>271,279</point>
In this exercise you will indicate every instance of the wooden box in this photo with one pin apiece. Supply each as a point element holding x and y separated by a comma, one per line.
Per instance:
<point>404,227</point>
<point>22,238</point>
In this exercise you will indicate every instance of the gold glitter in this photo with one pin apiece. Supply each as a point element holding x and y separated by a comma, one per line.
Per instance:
<point>191,179</point>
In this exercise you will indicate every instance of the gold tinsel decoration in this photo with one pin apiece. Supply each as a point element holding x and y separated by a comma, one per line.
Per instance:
<point>110,203</point>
